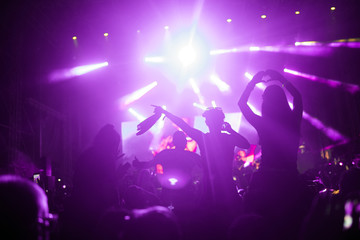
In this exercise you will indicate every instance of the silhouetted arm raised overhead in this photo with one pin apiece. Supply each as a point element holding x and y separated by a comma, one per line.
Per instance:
<point>297,102</point>
<point>244,107</point>
<point>190,131</point>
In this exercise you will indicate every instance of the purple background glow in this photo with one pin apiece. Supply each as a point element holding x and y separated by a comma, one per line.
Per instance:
<point>39,42</point>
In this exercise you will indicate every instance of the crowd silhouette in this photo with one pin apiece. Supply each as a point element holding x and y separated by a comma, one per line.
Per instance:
<point>184,195</point>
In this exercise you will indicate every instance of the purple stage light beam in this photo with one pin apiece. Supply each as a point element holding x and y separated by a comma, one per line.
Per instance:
<point>130,98</point>
<point>202,107</point>
<point>196,90</point>
<point>138,116</point>
<point>310,48</point>
<point>220,84</point>
<point>64,74</point>
<point>352,88</point>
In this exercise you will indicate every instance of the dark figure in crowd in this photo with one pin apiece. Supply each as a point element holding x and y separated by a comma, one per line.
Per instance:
<point>95,184</point>
<point>179,172</point>
<point>275,191</point>
<point>279,126</point>
<point>24,211</point>
<point>217,151</point>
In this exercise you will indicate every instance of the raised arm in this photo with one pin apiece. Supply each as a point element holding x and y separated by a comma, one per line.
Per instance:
<point>297,102</point>
<point>244,107</point>
<point>190,131</point>
<point>237,139</point>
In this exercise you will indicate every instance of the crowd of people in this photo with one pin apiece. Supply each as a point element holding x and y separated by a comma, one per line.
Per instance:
<point>184,195</point>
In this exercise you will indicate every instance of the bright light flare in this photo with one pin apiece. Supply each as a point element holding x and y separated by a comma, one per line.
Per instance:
<point>297,12</point>
<point>263,16</point>
<point>130,98</point>
<point>74,38</point>
<point>220,84</point>
<point>229,20</point>
<point>187,55</point>
<point>76,71</point>
<point>332,8</point>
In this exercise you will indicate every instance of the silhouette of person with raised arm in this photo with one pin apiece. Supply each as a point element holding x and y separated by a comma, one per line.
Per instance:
<point>217,151</point>
<point>279,125</point>
<point>275,191</point>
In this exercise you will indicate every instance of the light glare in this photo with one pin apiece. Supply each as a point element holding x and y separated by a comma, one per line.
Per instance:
<point>154,59</point>
<point>187,55</point>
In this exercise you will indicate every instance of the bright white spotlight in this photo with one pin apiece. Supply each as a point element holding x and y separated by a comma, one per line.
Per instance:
<point>130,98</point>
<point>187,55</point>
<point>222,86</point>
<point>136,114</point>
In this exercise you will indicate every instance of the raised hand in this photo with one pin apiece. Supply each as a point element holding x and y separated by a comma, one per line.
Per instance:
<point>226,127</point>
<point>274,75</point>
<point>158,109</point>
<point>258,77</point>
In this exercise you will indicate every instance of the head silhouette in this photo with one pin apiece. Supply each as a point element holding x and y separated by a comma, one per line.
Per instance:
<point>23,209</point>
<point>107,139</point>
<point>179,140</point>
<point>214,119</point>
<point>275,105</point>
